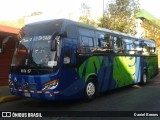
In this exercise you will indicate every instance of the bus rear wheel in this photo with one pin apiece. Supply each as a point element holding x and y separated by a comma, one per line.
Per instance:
<point>90,89</point>
<point>144,79</point>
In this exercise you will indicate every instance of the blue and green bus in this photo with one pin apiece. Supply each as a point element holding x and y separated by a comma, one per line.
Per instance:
<point>62,59</point>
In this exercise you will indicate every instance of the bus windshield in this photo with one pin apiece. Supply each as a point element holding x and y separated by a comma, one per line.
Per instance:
<point>35,51</point>
<point>34,48</point>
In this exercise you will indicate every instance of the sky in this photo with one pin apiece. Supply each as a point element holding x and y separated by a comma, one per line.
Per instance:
<point>152,6</point>
<point>13,9</point>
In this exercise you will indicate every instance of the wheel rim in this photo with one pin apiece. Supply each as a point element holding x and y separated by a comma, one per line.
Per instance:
<point>144,78</point>
<point>90,89</point>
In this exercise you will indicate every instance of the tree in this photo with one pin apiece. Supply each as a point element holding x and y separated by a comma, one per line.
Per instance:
<point>36,13</point>
<point>86,15</point>
<point>19,23</point>
<point>151,30</point>
<point>14,23</point>
<point>120,16</point>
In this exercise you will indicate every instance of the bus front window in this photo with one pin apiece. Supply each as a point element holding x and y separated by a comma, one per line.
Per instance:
<point>35,53</point>
<point>34,49</point>
<point>42,55</point>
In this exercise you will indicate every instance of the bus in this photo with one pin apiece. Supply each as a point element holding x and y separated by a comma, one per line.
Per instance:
<point>62,59</point>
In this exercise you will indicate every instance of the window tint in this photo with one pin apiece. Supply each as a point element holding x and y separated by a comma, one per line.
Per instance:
<point>72,31</point>
<point>138,47</point>
<point>123,47</point>
<point>117,44</point>
<point>48,28</point>
<point>105,41</point>
<point>86,32</point>
<point>108,41</point>
<point>86,43</point>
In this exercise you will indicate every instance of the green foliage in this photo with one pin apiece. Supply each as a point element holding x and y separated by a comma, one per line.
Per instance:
<point>151,30</point>
<point>36,13</point>
<point>120,16</point>
<point>86,15</point>
<point>85,19</point>
<point>19,23</point>
<point>14,23</point>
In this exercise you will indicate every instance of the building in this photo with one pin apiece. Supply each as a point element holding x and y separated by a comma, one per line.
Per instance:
<point>7,52</point>
<point>143,16</point>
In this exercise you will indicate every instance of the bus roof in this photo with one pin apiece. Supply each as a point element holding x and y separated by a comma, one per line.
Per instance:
<point>83,25</point>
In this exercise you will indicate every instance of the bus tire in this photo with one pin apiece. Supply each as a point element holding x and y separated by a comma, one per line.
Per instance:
<point>90,89</point>
<point>144,79</point>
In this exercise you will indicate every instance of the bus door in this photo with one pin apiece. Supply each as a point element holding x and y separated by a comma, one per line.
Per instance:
<point>69,47</point>
<point>69,51</point>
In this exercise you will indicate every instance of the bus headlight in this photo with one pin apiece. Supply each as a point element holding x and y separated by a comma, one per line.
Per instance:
<point>10,83</point>
<point>50,85</point>
<point>9,76</point>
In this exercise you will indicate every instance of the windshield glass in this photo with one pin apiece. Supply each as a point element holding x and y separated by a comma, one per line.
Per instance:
<point>41,53</point>
<point>34,48</point>
<point>35,51</point>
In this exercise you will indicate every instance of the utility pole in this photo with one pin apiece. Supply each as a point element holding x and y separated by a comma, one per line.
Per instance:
<point>103,11</point>
<point>103,8</point>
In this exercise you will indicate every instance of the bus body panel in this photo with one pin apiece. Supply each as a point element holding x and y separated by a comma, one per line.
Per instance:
<point>111,69</point>
<point>69,87</point>
<point>112,72</point>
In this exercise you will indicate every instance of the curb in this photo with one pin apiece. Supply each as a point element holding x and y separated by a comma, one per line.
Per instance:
<point>9,98</point>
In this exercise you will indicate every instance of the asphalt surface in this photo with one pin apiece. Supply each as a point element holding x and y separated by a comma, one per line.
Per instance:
<point>132,99</point>
<point>5,95</point>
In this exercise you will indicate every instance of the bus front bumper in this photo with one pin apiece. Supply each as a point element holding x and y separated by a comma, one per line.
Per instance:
<point>50,95</point>
<point>46,95</point>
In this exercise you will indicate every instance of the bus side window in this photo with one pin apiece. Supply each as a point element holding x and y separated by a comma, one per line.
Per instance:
<point>138,47</point>
<point>133,47</point>
<point>109,41</point>
<point>141,45</point>
<point>152,49</point>
<point>145,49</point>
<point>86,43</point>
<point>102,43</point>
<point>117,44</point>
<point>100,40</point>
<point>105,42</point>
<point>123,47</point>
<point>128,45</point>
<point>69,49</point>
<point>72,31</point>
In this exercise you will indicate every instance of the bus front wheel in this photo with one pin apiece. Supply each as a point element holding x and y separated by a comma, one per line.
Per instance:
<point>90,89</point>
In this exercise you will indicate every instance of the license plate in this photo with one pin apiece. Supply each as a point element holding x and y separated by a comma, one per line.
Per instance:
<point>27,94</point>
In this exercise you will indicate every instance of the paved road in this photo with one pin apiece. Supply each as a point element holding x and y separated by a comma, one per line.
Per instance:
<point>134,98</point>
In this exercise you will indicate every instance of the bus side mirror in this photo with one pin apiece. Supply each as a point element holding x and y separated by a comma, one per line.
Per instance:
<point>63,34</point>
<point>53,45</point>
<point>55,42</point>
